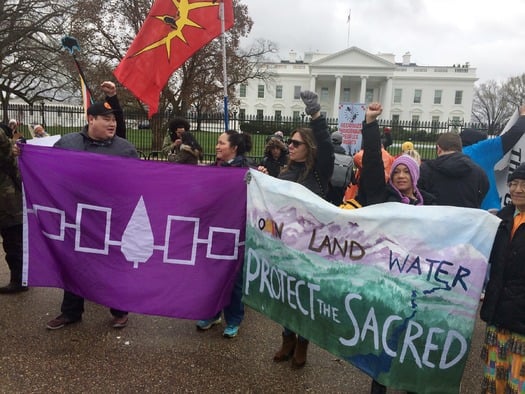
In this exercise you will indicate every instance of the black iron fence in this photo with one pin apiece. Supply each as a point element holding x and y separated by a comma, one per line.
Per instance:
<point>147,135</point>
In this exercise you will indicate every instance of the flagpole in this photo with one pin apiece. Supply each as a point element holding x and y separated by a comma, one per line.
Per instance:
<point>348,23</point>
<point>224,74</point>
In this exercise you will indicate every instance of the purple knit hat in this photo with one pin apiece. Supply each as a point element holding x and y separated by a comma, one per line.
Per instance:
<point>413,168</point>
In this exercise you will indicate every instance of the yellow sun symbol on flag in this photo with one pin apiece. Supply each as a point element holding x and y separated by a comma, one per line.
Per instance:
<point>177,23</point>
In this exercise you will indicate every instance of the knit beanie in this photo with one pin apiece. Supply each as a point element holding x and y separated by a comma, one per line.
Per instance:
<point>471,137</point>
<point>413,169</point>
<point>337,138</point>
<point>518,173</point>
<point>408,145</point>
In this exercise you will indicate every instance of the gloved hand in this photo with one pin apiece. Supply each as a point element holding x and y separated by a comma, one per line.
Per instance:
<point>310,100</point>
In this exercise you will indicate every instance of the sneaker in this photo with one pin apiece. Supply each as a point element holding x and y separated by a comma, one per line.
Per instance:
<point>59,322</point>
<point>119,322</point>
<point>204,325</point>
<point>230,331</point>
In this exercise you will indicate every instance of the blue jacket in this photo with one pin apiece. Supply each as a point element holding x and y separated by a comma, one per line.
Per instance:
<point>488,152</point>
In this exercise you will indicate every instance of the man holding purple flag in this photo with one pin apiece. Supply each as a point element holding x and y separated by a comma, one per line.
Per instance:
<point>98,136</point>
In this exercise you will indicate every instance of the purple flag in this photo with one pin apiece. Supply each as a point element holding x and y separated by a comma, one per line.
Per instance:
<point>147,237</point>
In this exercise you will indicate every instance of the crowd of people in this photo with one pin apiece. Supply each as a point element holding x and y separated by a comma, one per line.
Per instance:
<point>461,175</point>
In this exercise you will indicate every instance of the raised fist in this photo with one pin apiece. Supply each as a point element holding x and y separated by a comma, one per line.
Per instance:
<point>310,101</point>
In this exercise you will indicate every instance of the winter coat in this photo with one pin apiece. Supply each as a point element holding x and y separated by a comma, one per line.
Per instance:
<point>10,185</point>
<point>274,166</point>
<point>454,179</point>
<point>185,155</point>
<point>488,152</point>
<point>504,302</point>
<point>237,161</point>
<point>80,141</point>
<point>116,146</point>
<point>317,180</point>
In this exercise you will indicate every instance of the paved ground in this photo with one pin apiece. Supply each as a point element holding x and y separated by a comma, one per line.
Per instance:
<point>161,355</point>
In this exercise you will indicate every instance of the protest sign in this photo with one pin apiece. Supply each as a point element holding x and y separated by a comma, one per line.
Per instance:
<point>391,288</point>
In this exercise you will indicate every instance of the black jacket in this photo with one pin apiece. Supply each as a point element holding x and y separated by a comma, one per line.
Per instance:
<point>373,189</point>
<point>274,166</point>
<point>318,180</point>
<point>454,179</point>
<point>504,302</point>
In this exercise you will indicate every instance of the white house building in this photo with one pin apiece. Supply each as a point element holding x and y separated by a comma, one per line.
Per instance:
<point>407,91</point>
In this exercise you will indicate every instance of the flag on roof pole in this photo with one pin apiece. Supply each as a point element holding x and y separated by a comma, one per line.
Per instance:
<point>172,32</point>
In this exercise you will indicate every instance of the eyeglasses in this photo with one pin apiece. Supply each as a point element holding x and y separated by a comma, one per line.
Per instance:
<point>295,143</point>
<point>513,185</point>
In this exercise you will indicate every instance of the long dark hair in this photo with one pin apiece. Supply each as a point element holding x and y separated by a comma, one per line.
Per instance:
<point>311,151</point>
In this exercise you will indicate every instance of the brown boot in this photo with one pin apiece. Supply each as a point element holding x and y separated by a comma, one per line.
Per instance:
<point>287,348</point>
<point>299,356</point>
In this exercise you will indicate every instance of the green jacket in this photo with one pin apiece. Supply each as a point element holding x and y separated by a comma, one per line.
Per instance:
<point>10,185</point>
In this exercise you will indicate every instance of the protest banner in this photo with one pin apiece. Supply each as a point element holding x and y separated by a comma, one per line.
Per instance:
<point>391,288</point>
<point>350,122</point>
<point>147,237</point>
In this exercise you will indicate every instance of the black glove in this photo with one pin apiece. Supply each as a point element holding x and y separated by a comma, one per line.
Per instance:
<point>310,100</point>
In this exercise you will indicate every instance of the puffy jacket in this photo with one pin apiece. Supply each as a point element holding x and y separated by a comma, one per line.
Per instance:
<point>454,179</point>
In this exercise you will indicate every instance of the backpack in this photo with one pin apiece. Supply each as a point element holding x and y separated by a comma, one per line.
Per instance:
<point>342,175</point>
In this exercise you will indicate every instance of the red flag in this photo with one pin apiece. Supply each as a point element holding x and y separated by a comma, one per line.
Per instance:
<point>172,32</point>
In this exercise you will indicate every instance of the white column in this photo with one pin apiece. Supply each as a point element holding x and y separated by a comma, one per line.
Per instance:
<point>312,83</point>
<point>362,95</point>
<point>386,100</point>
<point>337,95</point>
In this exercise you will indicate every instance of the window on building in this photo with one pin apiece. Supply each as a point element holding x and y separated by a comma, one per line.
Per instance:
<point>296,92</point>
<point>456,120</point>
<point>395,118</point>
<point>242,113</point>
<point>346,95</point>
<point>260,114</point>
<point>398,95</point>
<point>459,97</point>
<point>417,96</point>
<point>279,91</point>
<point>242,90</point>
<point>260,91</point>
<point>437,96</point>
<point>324,95</point>
<point>435,119</point>
<point>415,118</point>
<point>278,115</point>
<point>296,115</point>
<point>455,123</point>
<point>369,96</point>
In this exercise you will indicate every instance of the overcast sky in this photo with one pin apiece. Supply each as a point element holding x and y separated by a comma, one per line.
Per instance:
<point>490,35</point>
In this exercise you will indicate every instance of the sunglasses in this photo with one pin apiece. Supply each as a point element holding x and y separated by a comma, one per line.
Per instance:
<point>295,143</point>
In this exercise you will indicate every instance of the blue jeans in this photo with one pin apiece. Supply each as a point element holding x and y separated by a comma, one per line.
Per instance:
<point>234,311</point>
